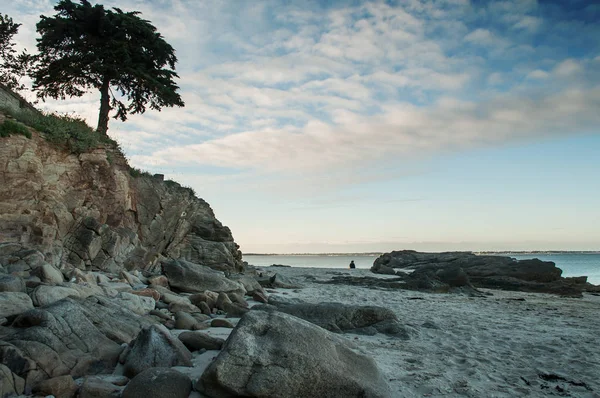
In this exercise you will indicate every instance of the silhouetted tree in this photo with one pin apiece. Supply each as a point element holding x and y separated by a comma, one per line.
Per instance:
<point>12,66</point>
<point>86,47</point>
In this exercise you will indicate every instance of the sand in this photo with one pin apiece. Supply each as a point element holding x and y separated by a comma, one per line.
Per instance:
<point>502,345</point>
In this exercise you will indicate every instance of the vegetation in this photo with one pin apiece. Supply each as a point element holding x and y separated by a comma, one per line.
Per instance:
<point>12,66</point>
<point>70,131</point>
<point>87,47</point>
<point>10,127</point>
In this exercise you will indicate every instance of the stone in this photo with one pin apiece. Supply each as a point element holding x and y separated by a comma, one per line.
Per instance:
<point>222,300</point>
<point>260,297</point>
<point>221,323</point>
<point>160,314</point>
<point>234,310</point>
<point>147,293</point>
<point>140,305</point>
<point>343,318</point>
<point>101,387</point>
<point>236,298</point>
<point>204,308</point>
<point>14,303</point>
<point>248,281</point>
<point>131,279</point>
<point>206,297</point>
<point>45,295</point>
<point>195,278</point>
<point>183,320</point>
<point>10,383</point>
<point>61,386</point>
<point>11,283</point>
<point>159,383</point>
<point>48,274</point>
<point>195,341</point>
<point>279,281</point>
<point>272,354</point>
<point>155,347</point>
<point>158,280</point>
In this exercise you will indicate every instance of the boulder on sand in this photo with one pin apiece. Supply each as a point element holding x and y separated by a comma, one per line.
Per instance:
<point>194,278</point>
<point>159,383</point>
<point>272,354</point>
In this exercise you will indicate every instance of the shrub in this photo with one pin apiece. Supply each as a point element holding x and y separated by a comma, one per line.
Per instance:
<point>135,172</point>
<point>10,127</point>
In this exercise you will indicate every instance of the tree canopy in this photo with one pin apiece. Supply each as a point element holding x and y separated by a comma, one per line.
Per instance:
<point>86,47</point>
<point>12,66</point>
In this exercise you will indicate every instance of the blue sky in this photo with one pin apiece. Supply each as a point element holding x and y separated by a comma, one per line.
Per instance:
<point>357,126</point>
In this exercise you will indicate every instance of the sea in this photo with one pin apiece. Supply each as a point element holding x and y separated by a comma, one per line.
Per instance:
<point>572,264</point>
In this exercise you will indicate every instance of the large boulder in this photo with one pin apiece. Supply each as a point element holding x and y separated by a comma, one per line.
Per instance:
<point>342,318</point>
<point>141,305</point>
<point>11,283</point>
<point>13,303</point>
<point>45,294</point>
<point>155,347</point>
<point>271,354</point>
<point>195,341</point>
<point>71,336</point>
<point>48,274</point>
<point>196,278</point>
<point>158,383</point>
<point>10,383</point>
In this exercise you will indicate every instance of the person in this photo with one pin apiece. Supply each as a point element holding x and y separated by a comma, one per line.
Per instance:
<point>352,265</point>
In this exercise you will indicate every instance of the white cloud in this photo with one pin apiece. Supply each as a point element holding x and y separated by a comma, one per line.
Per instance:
<point>538,74</point>
<point>568,67</point>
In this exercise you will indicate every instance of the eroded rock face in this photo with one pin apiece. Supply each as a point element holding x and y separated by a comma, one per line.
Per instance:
<point>196,278</point>
<point>87,211</point>
<point>272,354</point>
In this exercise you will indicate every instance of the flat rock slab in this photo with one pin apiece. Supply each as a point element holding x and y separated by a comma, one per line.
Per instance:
<point>272,354</point>
<point>196,278</point>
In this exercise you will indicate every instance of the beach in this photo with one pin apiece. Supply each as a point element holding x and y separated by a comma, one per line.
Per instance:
<point>506,344</point>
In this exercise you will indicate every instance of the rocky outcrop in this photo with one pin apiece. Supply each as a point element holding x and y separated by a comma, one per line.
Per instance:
<point>444,271</point>
<point>342,318</point>
<point>272,354</point>
<point>87,211</point>
<point>158,383</point>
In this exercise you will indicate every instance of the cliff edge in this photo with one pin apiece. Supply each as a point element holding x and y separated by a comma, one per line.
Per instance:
<point>87,211</point>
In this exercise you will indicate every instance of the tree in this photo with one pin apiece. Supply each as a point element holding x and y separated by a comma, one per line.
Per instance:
<point>12,67</point>
<point>87,47</point>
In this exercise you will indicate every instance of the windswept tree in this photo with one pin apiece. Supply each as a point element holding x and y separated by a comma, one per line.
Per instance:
<point>86,47</point>
<point>12,66</point>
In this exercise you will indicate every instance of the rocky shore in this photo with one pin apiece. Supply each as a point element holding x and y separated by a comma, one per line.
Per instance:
<point>115,285</point>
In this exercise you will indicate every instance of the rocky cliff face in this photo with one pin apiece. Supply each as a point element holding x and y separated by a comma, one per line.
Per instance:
<point>87,211</point>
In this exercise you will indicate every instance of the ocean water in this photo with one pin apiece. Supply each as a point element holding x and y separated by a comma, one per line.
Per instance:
<point>572,264</point>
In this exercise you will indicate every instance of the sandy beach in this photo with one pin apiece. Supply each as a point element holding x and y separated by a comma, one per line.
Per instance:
<point>506,344</point>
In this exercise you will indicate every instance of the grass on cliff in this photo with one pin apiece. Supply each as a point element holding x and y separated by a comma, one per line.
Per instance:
<point>10,127</point>
<point>65,130</point>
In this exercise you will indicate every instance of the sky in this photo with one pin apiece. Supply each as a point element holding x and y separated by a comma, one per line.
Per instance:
<point>350,126</point>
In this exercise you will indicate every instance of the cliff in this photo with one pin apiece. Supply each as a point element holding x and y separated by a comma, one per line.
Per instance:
<point>87,211</point>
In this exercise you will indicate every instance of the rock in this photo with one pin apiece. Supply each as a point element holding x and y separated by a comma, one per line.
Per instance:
<point>210,298</point>
<point>204,308</point>
<point>237,299</point>
<point>195,278</point>
<point>279,281</point>
<point>141,305</point>
<point>195,341</point>
<point>221,323</point>
<point>45,295</point>
<point>260,297</point>
<point>10,383</point>
<point>13,303</point>
<point>272,354</point>
<point>159,383</point>
<point>131,279</point>
<point>183,320</point>
<point>71,336</point>
<point>222,300</point>
<point>160,314</point>
<point>147,293</point>
<point>11,283</point>
<point>158,280</point>
<point>102,387</point>
<point>249,282</point>
<point>234,310</point>
<point>155,347</point>
<point>344,318</point>
<point>62,386</point>
<point>438,272</point>
<point>48,274</point>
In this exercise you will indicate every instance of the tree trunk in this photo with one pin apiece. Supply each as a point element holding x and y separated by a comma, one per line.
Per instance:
<point>104,107</point>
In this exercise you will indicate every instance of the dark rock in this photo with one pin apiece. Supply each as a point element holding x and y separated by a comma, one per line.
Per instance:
<point>271,354</point>
<point>195,341</point>
<point>155,347</point>
<point>234,310</point>
<point>343,318</point>
<point>159,383</point>
<point>13,303</point>
<point>278,281</point>
<point>195,278</point>
<point>221,323</point>
<point>222,300</point>
<point>62,386</point>
<point>260,297</point>
<point>204,308</point>
<point>10,383</point>
<point>248,281</point>
<point>183,320</point>
<point>11,283</point>
<point>102,387</point>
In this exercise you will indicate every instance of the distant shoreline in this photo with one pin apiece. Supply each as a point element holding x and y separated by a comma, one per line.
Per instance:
<point>365,254</point>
